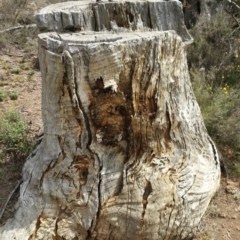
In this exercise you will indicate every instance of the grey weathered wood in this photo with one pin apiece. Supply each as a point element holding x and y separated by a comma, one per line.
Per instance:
<point>115,16</point>
<point>4,206</point>
<point>125,152</point>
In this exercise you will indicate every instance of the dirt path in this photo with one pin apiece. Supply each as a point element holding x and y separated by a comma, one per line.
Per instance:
<point>222,219</point>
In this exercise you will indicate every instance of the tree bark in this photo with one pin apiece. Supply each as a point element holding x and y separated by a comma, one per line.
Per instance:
<point>125,152</point>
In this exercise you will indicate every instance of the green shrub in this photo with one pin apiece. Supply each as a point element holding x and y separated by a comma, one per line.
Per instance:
<point>13,95</point>
<point>31,73</point>
<point>16,70</point>
<point>14,139</point>
<point>19,79</point>
<point>220,108</point>
<point>24,66</point>
<point>215,44</point>
<point>3,95</point>
<point>215,74</point>
<point>3,83</point>
<point>6,65</point>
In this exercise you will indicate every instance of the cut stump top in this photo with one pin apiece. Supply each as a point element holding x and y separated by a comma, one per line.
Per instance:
<point>114,17</point>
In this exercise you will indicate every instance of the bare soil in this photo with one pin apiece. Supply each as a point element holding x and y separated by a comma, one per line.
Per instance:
<point>28,104</point>
<point>28,87</point>
<point>222,219</point>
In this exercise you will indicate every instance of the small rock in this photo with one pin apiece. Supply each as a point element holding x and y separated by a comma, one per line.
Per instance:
<point>237,209</point>
<point>231,190</point>
<point>222,215</point>
<point>232,187</point>
<point>236,197</point>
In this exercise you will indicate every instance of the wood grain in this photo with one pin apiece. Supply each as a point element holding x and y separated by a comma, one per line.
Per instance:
<point>125,152</point>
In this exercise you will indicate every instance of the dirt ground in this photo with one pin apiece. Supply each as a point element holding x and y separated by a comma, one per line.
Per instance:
<point>222,219</point>
<point>28,104</point>
<point>29,99</point>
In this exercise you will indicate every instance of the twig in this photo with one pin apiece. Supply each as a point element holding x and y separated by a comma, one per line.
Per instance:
<point>18,27</point>
<point>236,20</point>
<point>10,54</point>
<point>40,137</point>
<point>3,208</point>
<point>228,234</point>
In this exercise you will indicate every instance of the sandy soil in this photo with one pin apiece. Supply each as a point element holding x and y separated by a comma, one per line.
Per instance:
<point>28,104</point>
<point>222,219</point>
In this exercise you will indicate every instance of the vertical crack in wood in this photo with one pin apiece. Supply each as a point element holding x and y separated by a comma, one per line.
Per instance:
<point>35,154</point>
<point>94,223</point>
<point>215,152</point>
<point>38,224</point>
<point>147,191</point>
<point>173,208</point>
<point>81,116</point>
<point>86,120</point>
<point>167,135</point>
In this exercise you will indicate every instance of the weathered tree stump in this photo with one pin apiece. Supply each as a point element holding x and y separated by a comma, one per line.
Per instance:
<point>125,153</point>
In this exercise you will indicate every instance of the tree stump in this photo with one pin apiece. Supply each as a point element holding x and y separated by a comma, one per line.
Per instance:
<point>125,153</point>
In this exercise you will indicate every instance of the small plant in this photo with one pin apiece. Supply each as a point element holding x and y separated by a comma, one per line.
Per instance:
<point>3,95</point>
<point>5,65</point>
<point>14,138</point>
<point>16,70</point>
<point>13,95</point>
<point>13,84</point>
<point>19,79</point>
<point>31,73</point>
<point>25,67</point>
<point>214,211</point>
<point>3,83</point>
<point>215,78</point>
